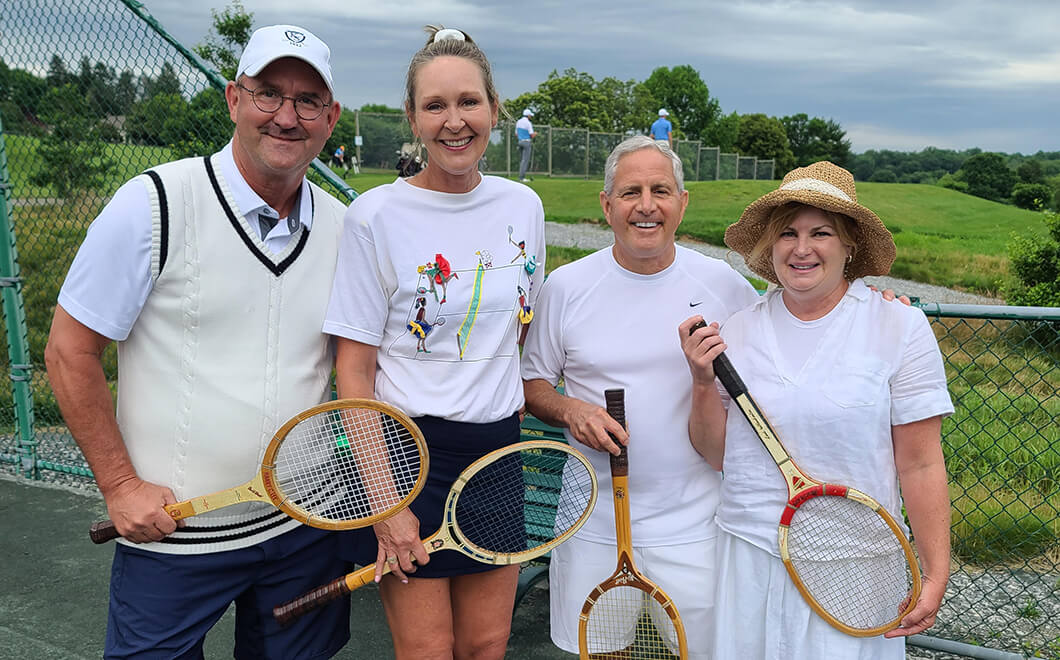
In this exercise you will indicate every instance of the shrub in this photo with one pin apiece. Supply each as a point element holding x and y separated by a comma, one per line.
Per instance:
<point>1035,265</point>
<point>884,175</point>
<point>1033,196</point>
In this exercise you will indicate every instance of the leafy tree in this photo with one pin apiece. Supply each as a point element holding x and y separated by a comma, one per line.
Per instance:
<point>989,176</point>
<point>72,156</point>
<point>632,104</point>
<point>231,30</point>
<point>884,175</point>
<point>162,119</point>
<point>203,129</point>
<point>1035,265</point>
<point>815,139</point>
<point>684,94</point>
<point>1031,172</point>
<point>765,137</point>
<point>723,133</point>
<point>58,74</point>
<point>571,100</point>
<point>381,108</point>
<point>20,95</point>
<point>1033,196</point>
<point>167,82</point>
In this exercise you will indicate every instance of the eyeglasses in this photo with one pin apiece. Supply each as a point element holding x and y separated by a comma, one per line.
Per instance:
<point>269,100</point>
<point>449,33</point>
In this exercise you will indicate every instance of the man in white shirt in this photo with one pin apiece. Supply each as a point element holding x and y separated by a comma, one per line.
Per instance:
<point>524,132</point>
<point>197,269</point>
<point>611,320</point>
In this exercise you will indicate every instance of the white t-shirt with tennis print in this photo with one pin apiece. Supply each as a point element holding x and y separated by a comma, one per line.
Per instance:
<point>441,283</point>
<point>599,326</point>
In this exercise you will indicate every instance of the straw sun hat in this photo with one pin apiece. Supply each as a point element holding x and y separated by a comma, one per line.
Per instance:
<point>826,186</point>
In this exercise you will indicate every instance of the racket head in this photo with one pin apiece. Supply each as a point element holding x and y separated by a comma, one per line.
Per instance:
<point>629,616</point>
<point>518,502</point>
<point>345,464</point>
<point>850,560</point>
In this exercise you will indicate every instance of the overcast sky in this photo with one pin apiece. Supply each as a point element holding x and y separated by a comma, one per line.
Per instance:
<point>898,74</point>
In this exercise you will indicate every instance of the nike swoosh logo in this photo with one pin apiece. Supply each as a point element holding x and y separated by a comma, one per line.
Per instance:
<point>693,304</point>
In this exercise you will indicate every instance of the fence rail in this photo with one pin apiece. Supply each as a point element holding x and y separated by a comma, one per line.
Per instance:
<point>76,122</point>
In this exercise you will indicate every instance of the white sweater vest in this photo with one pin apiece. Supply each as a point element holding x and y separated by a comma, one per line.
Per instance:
<point>227,348</point>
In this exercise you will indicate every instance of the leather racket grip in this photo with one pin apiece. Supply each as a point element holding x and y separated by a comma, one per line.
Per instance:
<point>307,602</point>
<point>723,369</point>
<point>615,400</point>
<point>103,531</point>
<point>726,373</point>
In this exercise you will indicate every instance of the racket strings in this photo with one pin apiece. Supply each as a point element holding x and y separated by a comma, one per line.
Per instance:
<point>363,460</point>
<point>517,503</point>
<point>626,622</point>
<point>850,561</point>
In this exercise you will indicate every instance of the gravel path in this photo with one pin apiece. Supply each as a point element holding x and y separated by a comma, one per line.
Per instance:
<point>592,236</point>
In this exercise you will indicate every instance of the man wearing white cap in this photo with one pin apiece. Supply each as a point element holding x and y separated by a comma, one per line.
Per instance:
<point>213,276</point>
<point>662,129</point>
<point>524,132</point>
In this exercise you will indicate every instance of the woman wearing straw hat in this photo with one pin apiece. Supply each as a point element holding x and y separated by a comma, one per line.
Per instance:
<point>854,385</point>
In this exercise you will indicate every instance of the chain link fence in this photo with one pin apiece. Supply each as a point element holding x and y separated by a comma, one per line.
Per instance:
<point>80,115</point>
<point>577,152</point>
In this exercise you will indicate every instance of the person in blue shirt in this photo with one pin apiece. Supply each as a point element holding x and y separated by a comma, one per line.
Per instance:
<point>524,132</point>
<point>662,130</point>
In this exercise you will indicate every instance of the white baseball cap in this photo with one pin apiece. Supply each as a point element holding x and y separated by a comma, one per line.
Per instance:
<point>663,112</point>
<point>528,113</point>
<point>273,42</point>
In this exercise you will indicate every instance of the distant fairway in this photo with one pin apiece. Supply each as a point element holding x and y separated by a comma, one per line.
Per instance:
<point>943,237</point>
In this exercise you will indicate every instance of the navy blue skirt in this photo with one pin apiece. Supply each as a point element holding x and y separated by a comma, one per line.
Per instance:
<point>453,446</point>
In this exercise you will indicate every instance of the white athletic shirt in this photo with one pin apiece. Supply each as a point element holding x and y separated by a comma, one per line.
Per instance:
<point>452,265</point>
<point>876,365</point>
<point>110,277</point>
<point>600,326</point>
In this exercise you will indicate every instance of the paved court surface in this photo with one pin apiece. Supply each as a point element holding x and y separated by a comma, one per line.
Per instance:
<point>53,588</point>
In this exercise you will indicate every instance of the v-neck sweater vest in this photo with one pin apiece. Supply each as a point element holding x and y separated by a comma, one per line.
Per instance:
<point>227,347</point>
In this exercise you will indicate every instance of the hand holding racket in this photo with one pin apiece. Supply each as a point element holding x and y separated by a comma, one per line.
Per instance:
<point>339,465</point>
<point>510,506</point>
<point>627,615</point>
<point>845,553</point>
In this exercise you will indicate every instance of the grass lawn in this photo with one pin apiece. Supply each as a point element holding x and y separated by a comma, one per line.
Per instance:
<point>943,237</point>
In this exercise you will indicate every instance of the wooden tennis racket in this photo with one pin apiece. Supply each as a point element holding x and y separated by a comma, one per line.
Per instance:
<point>510,506</point>
<point>339,465</point>
<point>627,615</point>
<point>845,552</point>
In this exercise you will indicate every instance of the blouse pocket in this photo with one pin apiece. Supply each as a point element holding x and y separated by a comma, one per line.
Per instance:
<point>856,387</point>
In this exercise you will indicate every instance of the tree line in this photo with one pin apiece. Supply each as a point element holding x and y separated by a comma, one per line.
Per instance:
<point>73,109</point>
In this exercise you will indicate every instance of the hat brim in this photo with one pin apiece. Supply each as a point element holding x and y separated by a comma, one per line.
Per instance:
<point>875,246</point>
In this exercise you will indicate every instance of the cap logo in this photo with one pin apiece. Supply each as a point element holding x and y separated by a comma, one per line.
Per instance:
<point>816,185</point>
<point>295,37</point>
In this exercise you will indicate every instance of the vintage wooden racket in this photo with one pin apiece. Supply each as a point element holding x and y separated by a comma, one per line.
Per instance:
<point>845,552</point>
<point>510,506</point>
<point>339,465</point>
<point>627,615</point>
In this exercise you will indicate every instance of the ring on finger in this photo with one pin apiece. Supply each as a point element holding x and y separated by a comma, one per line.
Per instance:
<point>391,559</point>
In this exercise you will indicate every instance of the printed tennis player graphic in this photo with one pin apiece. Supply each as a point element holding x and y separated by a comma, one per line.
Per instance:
<point>339,465</point>
<point>510,506</point>
<point>463,306</point>
<point>627,615</point>
<point>846,554</point>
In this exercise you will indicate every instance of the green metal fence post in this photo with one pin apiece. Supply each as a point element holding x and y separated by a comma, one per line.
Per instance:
<point>17,339</point>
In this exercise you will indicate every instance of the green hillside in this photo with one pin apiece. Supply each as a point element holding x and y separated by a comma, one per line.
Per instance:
<point>944,237</point>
